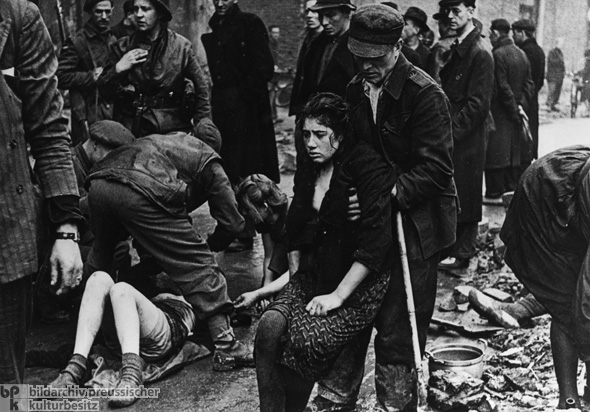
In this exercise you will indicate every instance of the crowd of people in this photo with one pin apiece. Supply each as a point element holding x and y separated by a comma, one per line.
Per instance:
<point>387,124</point>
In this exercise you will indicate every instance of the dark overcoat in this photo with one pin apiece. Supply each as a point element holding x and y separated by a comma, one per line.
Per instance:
<point>513,86</point>
<point>536,57</point>
<point>302,86</point>
<point>468,81</point>
<point>241,65</point>
<point>85,51</point>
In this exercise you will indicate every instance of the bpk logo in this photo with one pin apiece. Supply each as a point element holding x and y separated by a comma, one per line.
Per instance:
<point>12,397</point>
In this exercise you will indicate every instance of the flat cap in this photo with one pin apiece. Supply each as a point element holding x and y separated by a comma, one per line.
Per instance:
<point>110,133</point>
<point>128,7</point>
<point>329,4</point>
<point>523,24</point>
<point>208,133</point>
<point>419,16</point>
<point>89,5</point>
<point>446,3</point>
<point>374,28</point>
<point>501,25</point>
<point>390,4</point>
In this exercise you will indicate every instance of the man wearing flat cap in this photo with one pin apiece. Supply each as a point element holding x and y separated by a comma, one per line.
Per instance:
<point>513,90</point>
<point>328,65</point>
<point>468,80</point>
<point>404,115</point>
<point>81,62</point>
<point>523,33</point>
<point>415,19</point>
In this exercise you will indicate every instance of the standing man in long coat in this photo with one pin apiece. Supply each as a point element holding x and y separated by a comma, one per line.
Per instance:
<point>523,33</point>
<point>513,90</point>
<point>555,75</point>
<point>28,64</point>
<point>81,62</point>
<point>468,81</point>
<point>241,65</point>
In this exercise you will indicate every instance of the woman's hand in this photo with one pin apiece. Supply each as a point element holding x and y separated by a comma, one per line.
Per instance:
<point>246,300</point>
<point>321,305</point>
<point>130,59</point>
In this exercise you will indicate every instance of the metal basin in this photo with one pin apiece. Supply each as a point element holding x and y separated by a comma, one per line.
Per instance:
<point>464,357</point>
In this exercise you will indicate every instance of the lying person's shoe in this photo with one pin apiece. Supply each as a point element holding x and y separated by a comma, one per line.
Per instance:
<point>240,245</point>
<point>131,378</point>
<point>491,309</point>
<point>232,355</point>
<point>321,404</point>
<point>72,374</point>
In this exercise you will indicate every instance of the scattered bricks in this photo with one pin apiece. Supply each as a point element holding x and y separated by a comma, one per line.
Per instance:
<point>457,384</point>
<point>497,383</point>
<point>511,352</point>
<point>483,264</point>
<point>461,294</point>
<point>448,305</point>
<point>463,307</point>
<point>499,251</point>
<point>483,226</point>
<point>519,380</point>
<point>498,294</point>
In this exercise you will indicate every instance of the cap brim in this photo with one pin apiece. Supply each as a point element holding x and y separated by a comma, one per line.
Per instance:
<point>368,50</point>
<point>318,7</point>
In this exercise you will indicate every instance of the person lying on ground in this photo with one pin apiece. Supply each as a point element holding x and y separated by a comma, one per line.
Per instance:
<point>148,330</point>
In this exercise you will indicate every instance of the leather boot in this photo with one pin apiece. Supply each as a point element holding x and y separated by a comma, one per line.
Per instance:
<point>73,373</point>
<point>131,377</point>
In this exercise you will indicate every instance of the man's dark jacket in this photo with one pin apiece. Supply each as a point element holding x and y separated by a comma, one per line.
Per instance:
<point>413,131</point>
<point>85,51</point>
<point>513,87</point>
<point>536,57</point>
<point>468,81</point>
<point>339,71</point>
<point>178,173</point>
<point>241,65</point>
<point>301,84</point>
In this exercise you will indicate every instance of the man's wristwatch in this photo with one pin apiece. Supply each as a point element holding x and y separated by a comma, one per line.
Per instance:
<point>75,236</point>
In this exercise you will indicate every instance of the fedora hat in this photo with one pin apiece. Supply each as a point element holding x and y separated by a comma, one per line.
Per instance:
<point>328,4</point>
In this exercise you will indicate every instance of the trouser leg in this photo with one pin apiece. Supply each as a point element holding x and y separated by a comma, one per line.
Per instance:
<point>394,360</point>
<point>15,320</point>
<point>172,241</point>
<point>494,182</point>
<point>464,247</point>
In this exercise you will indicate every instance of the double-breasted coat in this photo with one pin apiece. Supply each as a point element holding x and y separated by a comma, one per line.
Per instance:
<point>536,57</point>
<point>468,80</point>
<point>513,87</point>
<point>241,65</point>
<point>85,51</point>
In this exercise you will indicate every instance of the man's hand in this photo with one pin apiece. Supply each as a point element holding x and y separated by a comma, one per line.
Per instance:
<point>97,72</point>
<point>321,305</point>
<point>246,300</point>
<point>354,207</point>
<point>130,59</point>
<point>66,262</point>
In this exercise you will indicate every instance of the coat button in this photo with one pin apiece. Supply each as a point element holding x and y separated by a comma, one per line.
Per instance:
<point>457,77</point>
<point>19,189</point>
<point>13,143</point>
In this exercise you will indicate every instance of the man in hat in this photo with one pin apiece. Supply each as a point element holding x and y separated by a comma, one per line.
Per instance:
<point>513,91</point>
<point>409,53</point>
<point>126,26</point>
<point>468,79</point>
<point>404,115</point>
<point>439,52</point>
<point>416,19</point>
<point>328,66</point>
<point>241,65</point>
<point>146,189</point>
<point>81,62</point>
<point>523,33</point>
<point>28,64</point>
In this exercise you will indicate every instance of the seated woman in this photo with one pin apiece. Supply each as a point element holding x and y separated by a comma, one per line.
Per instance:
<point>147,329</point>
<point>340,267</point>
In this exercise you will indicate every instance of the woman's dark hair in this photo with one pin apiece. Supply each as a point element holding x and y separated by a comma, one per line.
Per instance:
<point>329,110</point>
